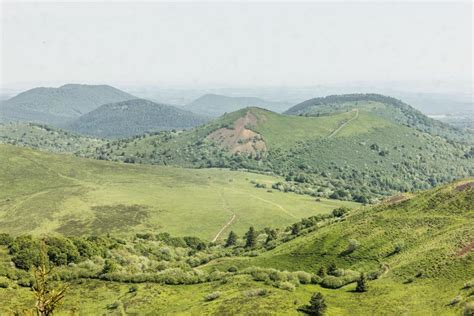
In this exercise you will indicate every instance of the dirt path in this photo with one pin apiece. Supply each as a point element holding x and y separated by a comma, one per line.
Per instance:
<point>225,206</point>
<point>224,228</point>
<point>345,123</point>
<point>275,204</point>
<point>29,197</point>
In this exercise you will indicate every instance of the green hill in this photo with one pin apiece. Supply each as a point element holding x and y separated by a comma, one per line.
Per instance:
<point>386,107</point>
<point>215,105</point>
<point>415,250</point>
<point>44,137</point>
<point>73,196</point>
<point>58,105</point>
<point>356,154</point>
<point>133,117</point>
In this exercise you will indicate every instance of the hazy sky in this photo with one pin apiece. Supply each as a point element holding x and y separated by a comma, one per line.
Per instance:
<point>235,43</point>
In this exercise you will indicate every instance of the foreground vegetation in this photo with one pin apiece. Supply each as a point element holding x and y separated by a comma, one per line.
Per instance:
<point>415,252</point>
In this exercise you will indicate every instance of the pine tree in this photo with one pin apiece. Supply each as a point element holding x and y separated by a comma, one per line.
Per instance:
<point>251,238</point>
<point>361,283</point>
<point>295,229</point>
<point>322,272</point>
<point>317,305</point>
<point>332,268</point>
<point>231,240</point>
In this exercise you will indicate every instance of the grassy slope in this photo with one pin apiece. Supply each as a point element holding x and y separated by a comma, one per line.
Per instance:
<point>47,138</point>
<point>386,107</point>
<point>433,226</point>
<point>64,194</point>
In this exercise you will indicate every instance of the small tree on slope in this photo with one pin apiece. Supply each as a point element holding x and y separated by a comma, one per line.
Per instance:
<point>231,240</point>
<point>361,283</point>
<point>317,305</point>
<point>251,238</point>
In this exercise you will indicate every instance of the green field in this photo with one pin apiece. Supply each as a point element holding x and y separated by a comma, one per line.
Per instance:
<point>73,196</point>
<point>415,249</point>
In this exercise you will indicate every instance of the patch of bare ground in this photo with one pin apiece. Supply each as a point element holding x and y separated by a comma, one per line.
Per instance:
<point>466,249</point>
<point>464,186</point>
<point>397,199</point>
<point>240,139</point>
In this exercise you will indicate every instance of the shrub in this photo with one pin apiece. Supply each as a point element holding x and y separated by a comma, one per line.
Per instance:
<point>256,292</point>
<point>25,252</point>
<point>109,266</point>
<point>5,239</point>
<point>278,276</point>
<point>232,269</point>
<point>3,284</point>
<point>194,243</point>
<point>468,285</point>
<point>25,282</point>
<point>468,309</point>
<point>316,279</point>
<point>287,286</point>
<point>303,277</point>
<point>455,300</point>
<point>61,251</point>
<point>353,245</point>
<point>212,296</point>
<point>333,282</point>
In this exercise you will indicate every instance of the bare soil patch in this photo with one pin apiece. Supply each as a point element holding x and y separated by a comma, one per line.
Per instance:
<point>466,249</point>
<point>464,186</point>
<point>241,139</point>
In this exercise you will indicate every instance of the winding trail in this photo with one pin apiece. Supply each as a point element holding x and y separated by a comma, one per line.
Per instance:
<point>345,123</point>
<point>224,228</point>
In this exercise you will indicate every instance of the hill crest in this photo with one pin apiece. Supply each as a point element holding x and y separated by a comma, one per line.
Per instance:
<point>134,117</point>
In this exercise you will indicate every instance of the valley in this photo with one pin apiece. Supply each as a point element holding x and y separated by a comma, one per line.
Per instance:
<point>73,196</point>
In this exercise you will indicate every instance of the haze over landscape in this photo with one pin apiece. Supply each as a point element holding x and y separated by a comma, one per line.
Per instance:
<point>236,158</point>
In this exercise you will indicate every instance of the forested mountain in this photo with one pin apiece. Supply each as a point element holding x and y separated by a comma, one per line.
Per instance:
<point>133,117</point>
<point>58,105</point>
<point>357,154</point>
<point>386,107</point>
<point>215,105</point>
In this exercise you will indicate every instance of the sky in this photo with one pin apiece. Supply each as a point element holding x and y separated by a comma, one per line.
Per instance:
<point>235,43</point>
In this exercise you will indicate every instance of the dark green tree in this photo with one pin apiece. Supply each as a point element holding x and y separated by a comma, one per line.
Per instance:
<point>362,283</point>
<point>109,266</point>
<point>322,272</point>
<point>231,239</point>
<point>295,229</point>
<point>251,238</point>
<point>316,306</point>
<point>332,268</point>
<point>271,235</point>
